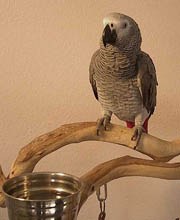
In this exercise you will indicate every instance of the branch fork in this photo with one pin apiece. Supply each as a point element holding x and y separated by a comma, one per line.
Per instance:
<point>160,151</point>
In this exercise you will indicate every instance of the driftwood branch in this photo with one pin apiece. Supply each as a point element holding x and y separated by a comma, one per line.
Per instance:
<point>159,150</point>
<point>127,166</point>
<point>2,180</point>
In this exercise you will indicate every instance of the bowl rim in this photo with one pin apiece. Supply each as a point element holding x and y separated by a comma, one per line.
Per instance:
<point>14,179</point>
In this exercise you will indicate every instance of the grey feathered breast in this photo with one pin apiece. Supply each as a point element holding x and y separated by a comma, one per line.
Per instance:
<point>123,85</point>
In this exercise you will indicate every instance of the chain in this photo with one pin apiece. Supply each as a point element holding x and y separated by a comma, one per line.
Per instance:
<point>102,202</point>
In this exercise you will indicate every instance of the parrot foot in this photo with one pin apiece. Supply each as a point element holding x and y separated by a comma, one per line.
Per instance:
<point>137,134</point>
<point>103,122</point>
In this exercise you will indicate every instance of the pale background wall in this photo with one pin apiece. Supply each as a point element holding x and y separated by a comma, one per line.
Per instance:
<point>45,50</point>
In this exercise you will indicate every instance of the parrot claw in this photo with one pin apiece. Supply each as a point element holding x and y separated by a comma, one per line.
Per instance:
<point>103,122</point>
<point>137,134</point>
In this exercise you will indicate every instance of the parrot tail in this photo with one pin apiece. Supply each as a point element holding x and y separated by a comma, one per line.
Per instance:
<point>131,124</point>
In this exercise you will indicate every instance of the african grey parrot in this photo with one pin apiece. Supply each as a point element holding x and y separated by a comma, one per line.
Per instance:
<point>122,76</point>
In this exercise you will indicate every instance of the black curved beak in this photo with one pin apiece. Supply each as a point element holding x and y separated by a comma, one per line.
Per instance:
<point>109,36</point>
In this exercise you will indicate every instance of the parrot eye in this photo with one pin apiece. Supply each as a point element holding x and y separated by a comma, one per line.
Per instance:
<point>112,25</point>
<point>124,25</point>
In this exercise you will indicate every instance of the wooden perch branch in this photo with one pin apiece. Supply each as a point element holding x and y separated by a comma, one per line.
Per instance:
<point>157,149</point>
<point>2,180</point>
<point>127,166</point>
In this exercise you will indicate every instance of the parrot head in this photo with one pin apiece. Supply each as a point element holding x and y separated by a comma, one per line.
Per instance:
<point>121,31</point>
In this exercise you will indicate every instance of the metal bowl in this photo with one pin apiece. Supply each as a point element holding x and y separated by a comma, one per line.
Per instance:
<point>43,196</point>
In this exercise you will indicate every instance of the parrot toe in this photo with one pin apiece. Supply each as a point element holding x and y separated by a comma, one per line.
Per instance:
<point>137,134</point>
<point>103,122</point>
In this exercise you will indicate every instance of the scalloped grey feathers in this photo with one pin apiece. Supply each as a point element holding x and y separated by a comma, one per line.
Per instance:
<point>123,77</point>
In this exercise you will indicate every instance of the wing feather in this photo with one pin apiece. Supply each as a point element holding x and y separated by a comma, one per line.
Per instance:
<point>92,72</point>
<point>148,81</point>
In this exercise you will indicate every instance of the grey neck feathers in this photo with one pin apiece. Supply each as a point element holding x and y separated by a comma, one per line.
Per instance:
<point>120,64</point>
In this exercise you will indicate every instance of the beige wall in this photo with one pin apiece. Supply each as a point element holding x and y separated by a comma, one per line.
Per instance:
<point>45,50</point>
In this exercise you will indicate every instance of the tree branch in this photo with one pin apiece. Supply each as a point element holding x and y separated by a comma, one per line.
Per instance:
<point>28,157</point>
<point>2,180</point>
<point>123,167</point>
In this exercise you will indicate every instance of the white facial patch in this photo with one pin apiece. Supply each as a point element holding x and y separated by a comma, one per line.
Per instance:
<point>111,19</point>
<point>105,22</point>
